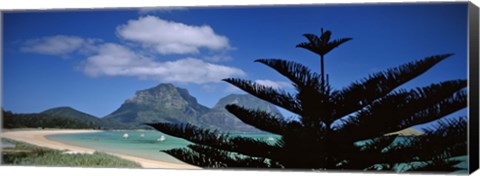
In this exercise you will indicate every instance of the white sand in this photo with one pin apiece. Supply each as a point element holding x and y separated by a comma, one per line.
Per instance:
<point>37,137</point>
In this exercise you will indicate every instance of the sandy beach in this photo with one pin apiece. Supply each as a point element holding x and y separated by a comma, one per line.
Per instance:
<point>37,137</point>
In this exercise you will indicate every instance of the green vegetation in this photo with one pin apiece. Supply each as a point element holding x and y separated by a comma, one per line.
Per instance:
<point>73,114</point>
<point>39,120</point>
<point>26,154</point>
<point>331,121</point>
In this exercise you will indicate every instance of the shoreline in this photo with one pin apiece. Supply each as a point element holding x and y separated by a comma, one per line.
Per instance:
<point>38,138</point>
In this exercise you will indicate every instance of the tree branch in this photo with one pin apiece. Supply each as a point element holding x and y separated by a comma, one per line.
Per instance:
<point>242,145</point>
<point>421,105</point>
<point>262,120</point>
<point>269,94</point>
<point>362,93</point>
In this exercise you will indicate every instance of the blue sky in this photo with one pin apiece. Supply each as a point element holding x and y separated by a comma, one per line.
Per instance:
<point>92,60</point>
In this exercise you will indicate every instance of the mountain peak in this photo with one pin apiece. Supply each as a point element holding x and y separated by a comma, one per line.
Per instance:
<point>160,92</point>
<point>163,86</point>
<point>162,103</point>
<point>61,108</point>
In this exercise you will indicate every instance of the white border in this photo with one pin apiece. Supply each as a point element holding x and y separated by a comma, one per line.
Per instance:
<point>9,5</point>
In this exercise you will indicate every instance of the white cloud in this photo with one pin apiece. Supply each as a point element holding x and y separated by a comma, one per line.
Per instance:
<point>59,45</point>
<point>117,60</point>
<point>218,58</point>
<point>168,37</point>
<point>274,84</point>
<point>154,34</point>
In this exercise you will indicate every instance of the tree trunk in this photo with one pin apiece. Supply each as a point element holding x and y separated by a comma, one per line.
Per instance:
<point>322,72</point>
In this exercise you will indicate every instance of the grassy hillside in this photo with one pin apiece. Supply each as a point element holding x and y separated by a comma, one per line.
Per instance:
<point>73,114</point>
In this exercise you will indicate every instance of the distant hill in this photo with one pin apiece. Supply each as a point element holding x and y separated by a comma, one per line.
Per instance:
<point>218,117</point>
<point>39,120</point>
<point>70,113</point>
<point>163,103</point>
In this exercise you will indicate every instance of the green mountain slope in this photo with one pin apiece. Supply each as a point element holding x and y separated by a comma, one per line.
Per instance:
<point>40,120</point>
<point>70,113</point>
<point>218,117</point>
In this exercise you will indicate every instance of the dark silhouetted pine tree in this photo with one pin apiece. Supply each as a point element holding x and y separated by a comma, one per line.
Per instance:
<point>340,129</point>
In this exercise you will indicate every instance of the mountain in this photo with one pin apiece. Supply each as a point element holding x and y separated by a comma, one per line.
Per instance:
<point>69,112</point>
<point>170,104</point>
<point>163,103</point>
<point>218,117</point>
<point>73,114</point>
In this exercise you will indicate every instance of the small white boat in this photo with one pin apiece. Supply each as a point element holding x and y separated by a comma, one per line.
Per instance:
<point>270,138</point>
<point>161,139</point>
<point>142,135</point>
<point>125,135</point>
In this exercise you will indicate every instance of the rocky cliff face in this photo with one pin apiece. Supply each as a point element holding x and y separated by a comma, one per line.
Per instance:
<point>163,103</point>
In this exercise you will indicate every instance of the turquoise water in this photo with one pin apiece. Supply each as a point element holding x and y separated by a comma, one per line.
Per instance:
<point>463,165</point>
<point>148,146</point>
<point>135,145</point>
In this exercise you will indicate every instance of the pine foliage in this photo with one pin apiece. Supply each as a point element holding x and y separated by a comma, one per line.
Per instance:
<point>338,129</point>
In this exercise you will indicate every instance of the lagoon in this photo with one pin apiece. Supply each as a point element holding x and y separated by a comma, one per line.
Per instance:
<point>113,141</point>
<point>144,144</point>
